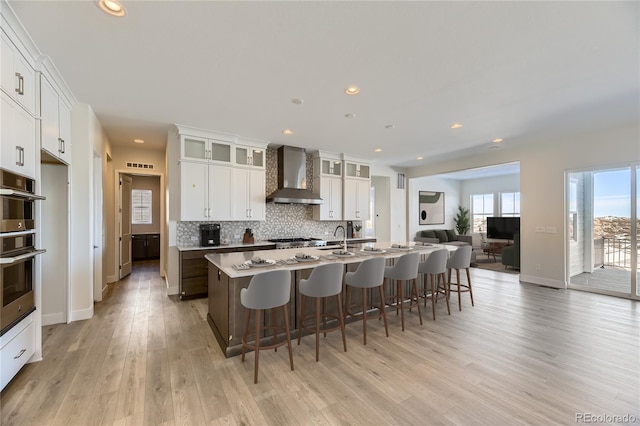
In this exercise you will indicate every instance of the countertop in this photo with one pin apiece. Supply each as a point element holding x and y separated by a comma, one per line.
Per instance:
<point>331,240</point>
<point>227,261</point>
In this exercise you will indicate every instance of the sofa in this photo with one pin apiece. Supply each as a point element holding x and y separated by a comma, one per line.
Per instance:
<point>443,236</point>
<point>511,254</point>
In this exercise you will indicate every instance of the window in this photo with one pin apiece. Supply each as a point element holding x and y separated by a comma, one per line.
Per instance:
<point>510,204</point>
<point>141,206</point>
<point>482,207</point>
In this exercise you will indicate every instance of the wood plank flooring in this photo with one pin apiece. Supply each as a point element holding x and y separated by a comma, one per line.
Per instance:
<point>523,355</point>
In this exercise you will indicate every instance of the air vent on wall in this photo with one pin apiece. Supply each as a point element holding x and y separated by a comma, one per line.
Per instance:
<point>144,166</point>
<point>401,179</point>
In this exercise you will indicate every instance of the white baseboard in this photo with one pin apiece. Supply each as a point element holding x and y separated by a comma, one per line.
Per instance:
<point>112,279</point>
<point>49,319</point>
<point>171,290</point>
<point>82,314</point>
<point>546,282</point>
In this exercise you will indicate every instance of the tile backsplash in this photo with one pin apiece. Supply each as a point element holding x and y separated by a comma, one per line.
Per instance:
<point>281,220</point>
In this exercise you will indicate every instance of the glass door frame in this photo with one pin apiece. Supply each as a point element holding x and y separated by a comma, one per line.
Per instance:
<point>634,276</point>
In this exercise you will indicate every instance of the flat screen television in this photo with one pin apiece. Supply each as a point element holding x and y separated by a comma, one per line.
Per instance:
<point>503,228</point>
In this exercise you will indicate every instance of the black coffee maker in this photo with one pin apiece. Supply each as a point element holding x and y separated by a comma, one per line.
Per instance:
<point>209,234</point>
<point>349,229</point>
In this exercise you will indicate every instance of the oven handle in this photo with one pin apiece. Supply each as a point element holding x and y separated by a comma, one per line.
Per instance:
<point>9,260</point>
<point>21,194</point>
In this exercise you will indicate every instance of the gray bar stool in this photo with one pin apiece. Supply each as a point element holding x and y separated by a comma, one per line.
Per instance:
<point>267,290</point>
<point>460,259</point>
<point>435,267</point>
<point>325,281</point>
<point>405,269</point>
<point>370,274</point>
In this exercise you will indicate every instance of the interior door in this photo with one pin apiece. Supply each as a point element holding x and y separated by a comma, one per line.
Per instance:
<point>125,225</point>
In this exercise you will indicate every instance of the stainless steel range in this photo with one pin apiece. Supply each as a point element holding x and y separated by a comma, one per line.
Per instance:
<point>285,243</point>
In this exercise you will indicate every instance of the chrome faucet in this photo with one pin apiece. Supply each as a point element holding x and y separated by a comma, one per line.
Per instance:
<point>335,233</point>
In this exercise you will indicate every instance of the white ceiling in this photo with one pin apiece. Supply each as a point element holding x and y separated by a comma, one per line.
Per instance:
<point>512,70</point>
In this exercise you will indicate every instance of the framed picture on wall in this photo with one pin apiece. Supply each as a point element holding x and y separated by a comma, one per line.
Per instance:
<point>431,207</point>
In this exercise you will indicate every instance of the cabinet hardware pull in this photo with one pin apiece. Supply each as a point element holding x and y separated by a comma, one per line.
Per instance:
<point>17,155</point>
<point>19,354</point>
<point>20,88</point>
<point>209,212</point>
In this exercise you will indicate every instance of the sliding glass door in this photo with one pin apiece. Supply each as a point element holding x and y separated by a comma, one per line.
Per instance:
<point>602,231</point>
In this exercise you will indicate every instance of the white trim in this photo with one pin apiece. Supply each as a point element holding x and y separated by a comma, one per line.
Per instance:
<point>111,279</point>
<point>546,282</point>
<point>49,319</point>
<point>82,314</point>
<point>171,291</point>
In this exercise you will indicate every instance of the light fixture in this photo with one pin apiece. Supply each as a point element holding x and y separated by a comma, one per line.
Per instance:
<point>497,140</point>
<point>390,126</point>
<point>419,158</point>
<point>287,132</point>
<point>456,126</point>
<point>377,150</point>
<point>297,101</point>
<point>350,115</point>
<point>138,141</point>
<point>112,7</point>
<point>351,90</point>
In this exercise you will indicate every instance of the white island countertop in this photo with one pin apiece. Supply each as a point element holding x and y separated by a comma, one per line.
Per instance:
<point>230,263</point>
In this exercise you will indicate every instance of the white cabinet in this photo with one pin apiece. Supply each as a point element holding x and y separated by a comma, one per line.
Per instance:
<point>194,148</point>
<point>16,347</point>
<point>248,194</point>
<point>330,190</point>
<point>17,77</point>
<point>55,122</point>
<point>330,167</point>
<point>17,138</point>
<point>249,156</point>
<point>205,192</point>
<point>356,170</point>
<point>356,199</point>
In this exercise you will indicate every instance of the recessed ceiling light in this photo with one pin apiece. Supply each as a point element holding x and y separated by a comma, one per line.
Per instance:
<point>497,140</point>
<point>350,115</point>
<point>287,132</point>
<point>138,141</point>
<point>112,7</point>
<point>351,90</point>
<point>456,126</point>
<point>297,101</point>
<point>377,150</point>
<point>390,126</point>
<point>419,158</point>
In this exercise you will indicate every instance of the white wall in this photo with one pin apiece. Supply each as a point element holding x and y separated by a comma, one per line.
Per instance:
<point>398,199</point>
<point>451,189</point>
<point>489,185</point>
<point>543,164</point>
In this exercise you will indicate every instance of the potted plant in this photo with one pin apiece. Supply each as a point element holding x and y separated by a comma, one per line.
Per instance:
<point>356,230</point>
<point>462,220</point>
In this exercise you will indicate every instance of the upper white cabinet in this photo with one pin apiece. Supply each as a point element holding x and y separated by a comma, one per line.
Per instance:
<point>17,138</point>
<point>327,183</point>
<point>194,148</point>
<point>354,169</point>
<point>55,122</point>
<point>17,75</point>
<point>249,194</point>
<point>356,199</point>
<point>252,156</point>
<point>205,191</point>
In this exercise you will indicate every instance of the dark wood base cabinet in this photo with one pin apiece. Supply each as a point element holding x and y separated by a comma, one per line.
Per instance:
<point>145,246</point>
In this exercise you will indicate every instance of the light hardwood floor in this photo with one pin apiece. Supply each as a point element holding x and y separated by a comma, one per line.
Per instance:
<point>523,355</point>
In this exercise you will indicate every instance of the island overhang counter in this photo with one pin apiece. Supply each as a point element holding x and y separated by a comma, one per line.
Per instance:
<point>227,278</point>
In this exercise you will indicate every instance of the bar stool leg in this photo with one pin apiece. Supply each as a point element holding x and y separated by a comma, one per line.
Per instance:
<point>415,291</point>
<point>434,296</point>
<point>446,293</point>
<point>341,319</point>
<point>364,315</point>
<point>285,312</point>
<point>318,329</point>
<point>300,329</point>
<point>400,288</point>
<point>470,291</point>
<point>257,345</point>
<point>247,318</point>
<point>324,315</point>
<point>274,321</point>
<point>459,288</point>
<point>384,312</point>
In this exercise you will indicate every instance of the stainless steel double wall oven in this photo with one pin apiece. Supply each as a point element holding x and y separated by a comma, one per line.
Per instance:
<point>17,258</point>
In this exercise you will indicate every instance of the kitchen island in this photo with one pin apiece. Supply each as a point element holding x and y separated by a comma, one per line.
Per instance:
<point>227,277</point>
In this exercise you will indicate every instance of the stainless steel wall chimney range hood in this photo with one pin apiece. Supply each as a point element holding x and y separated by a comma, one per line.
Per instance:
<point>292,178</point>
